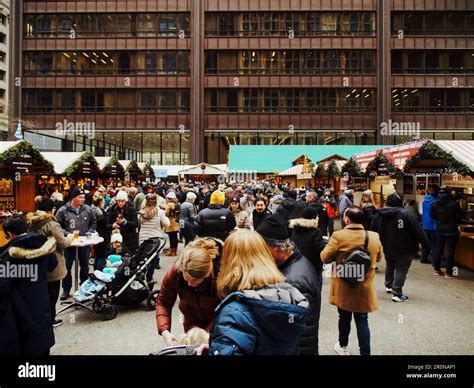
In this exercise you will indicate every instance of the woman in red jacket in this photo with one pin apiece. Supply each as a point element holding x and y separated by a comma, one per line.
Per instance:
<point>193,279</point>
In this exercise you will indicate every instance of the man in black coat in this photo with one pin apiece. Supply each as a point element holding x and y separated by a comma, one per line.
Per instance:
<point>323,219</point>
<point>308,238</point>
<point>260,213</point>
<point>447,214</point>
<point>216,220</point>
<point>26,326</point>
<point>400,234</point>
<point>299,272</point>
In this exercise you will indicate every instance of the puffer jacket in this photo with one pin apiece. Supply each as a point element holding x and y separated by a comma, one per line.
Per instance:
<point>27,301</point>
<point>172,212</point>
<point>70,221</point>
<point>45,224</point>
<point>267,321</point>
<point>447,213</point>
<point>428,222</point>
<point>187,213</point>
<point>215,221</point>
<point>309,240</point>
<point>300,273</point>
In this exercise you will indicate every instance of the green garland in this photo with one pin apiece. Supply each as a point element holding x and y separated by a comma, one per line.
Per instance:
<point>26,148</point>
<point>320,171</point>
<point>392,170</point>
<point>133,164</point>
<point>113,160</point>
<point>333,170</point>
<point>432,151</point>
<point>86,157</point>
<point>148,167</point>
<point>352,168</point>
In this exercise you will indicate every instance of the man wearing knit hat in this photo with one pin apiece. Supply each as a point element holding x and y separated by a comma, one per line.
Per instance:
<point>216,220</point>
<point>299,272</point>
<point>76,215</point>
<point>395,224</point>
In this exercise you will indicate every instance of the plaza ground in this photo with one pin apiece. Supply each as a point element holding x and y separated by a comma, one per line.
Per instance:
<point>438,320</point>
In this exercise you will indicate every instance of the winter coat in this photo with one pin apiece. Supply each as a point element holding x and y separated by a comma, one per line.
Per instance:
<point>45,224</point>
<point>138,201</point>
<point>266,321</point>
<point>395,225</point>
<point>196,304</point>
<point>100,250</point>
<point>428,222</point>
<point>290,209</point>
<point>248,204</point>
<point>369,213</point>
<point>300,273</point>
<point>187,213</point>
<point>344,203</point>
<point>242,219</point>
<point>127,230</point>
<point>26,325</point>
<point>323,218</point>
<point>330,205</point>
<point>447,213</point>
<point>361,298</point>
<point>172,212</point>
<point>153,227</point>
<point>70,221</point>
<point>309,240</point>
<point>275,203</point>
<point>215,221</point>
<point>258,218</point>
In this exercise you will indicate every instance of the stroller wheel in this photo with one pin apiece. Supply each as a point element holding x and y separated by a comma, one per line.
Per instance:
<point>151,300</point>
<point>110,312</point>
<point>97,306</point>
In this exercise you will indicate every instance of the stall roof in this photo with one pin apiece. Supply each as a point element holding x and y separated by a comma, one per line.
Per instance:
<point>210,170</point>
<point>62,160</point>
<point>103,161</point>
<point>462,150</point>
<point>171,170</point>
<point>295,170</point>
<point>279,158</point>
<point>125,164</point>
<point>6,145</point>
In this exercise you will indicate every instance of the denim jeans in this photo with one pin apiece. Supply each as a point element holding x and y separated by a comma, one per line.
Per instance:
<point>431,234</point>
<point>363,331</point>
<point>451,241</point>
<point>83,256</point>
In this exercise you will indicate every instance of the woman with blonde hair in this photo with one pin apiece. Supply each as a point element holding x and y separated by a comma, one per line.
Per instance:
<point>152,221</point>
<point>260,314</point>
<point>367,204</point>
<point>193,279</point>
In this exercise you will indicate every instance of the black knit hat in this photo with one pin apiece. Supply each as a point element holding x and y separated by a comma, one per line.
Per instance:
<point>46,204</point>
<point>395,200</point>
<point>75,192</point>
<point>274,231</point>
<point>310,213</point>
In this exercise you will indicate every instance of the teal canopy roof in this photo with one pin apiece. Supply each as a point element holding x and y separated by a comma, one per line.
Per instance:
<point>263,158</point>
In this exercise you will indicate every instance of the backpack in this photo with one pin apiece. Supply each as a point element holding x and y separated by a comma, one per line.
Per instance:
<point>356,258</point>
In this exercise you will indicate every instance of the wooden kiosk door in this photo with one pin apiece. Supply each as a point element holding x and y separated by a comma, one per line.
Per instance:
<point>25,193</point>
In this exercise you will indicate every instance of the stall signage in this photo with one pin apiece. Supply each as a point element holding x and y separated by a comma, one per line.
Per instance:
<point>455,180</point>
<point>304,176</point>
<point>382,180</point>
<point>399,155</point>
<point>86,168</point>
<point>161,173</point>
<point>22,163</point>
<point>113,170</point>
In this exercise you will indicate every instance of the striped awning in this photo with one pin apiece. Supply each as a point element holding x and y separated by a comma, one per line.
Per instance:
<point>295,170</point>
<point>462,150</point>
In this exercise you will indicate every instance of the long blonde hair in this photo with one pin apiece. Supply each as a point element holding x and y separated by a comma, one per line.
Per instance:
<point>367,198</point>
<point>194,336</point>
<point>196,259</point>
<point>246,263</point>
<point>151,207</point>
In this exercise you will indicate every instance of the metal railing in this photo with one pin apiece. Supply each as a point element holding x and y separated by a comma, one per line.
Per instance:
<point>286,109</point>
<point>430,70</point>
<point>433,109</point>
<point>66,34</point>
<point>425,32</point>
<point>105,109</point>
<point>112,72</point>
<point>263,71</point>
<point>284,33</point>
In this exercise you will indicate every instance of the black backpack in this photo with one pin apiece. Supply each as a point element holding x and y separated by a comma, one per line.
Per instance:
<point>356,259</point>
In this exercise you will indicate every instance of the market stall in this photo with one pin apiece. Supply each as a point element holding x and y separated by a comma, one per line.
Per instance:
<point>70,169</point>
<point>204,172</point>
<point>301,174</point>
<point>132,171</point>
<point>111,171</point>
<point>148,174</point>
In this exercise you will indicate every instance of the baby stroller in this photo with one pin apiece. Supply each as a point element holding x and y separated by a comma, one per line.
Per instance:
<point>129,287</point>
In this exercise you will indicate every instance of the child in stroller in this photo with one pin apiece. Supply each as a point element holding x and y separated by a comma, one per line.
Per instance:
<point>187,343</point>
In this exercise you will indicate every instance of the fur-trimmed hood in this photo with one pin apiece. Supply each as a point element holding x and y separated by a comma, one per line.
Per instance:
<point>304,223</point>
<point>38,219</point>
<point>31,246</point>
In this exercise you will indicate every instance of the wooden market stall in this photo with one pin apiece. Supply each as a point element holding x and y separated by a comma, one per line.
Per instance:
<point>111,171</point>
<point>70,169</point>
<point>301,174</point>
<point>132,171</point>
<point>204,172</point>
<point>148,174</point>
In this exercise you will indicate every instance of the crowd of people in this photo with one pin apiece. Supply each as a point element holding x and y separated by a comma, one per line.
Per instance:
<point>251,272</point>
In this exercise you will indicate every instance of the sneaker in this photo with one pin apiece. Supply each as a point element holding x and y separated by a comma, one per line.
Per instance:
<point>341,350</point>
<point>400,298</point>
<point>449,276</point>
<point>438,272</point>
<point>57,322</point>
<point>64,296</point>
<point>388,290</point>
